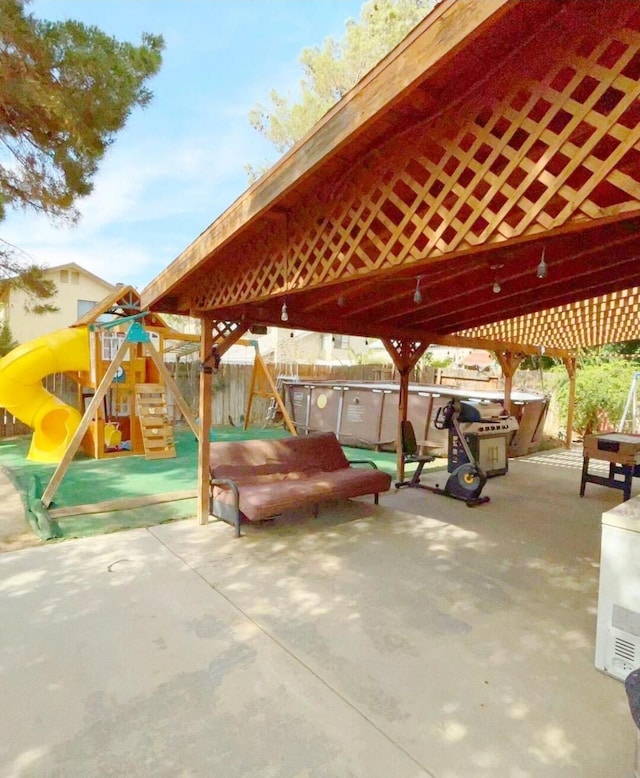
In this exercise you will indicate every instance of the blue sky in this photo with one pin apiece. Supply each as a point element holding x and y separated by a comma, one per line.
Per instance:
<point>179,163</point>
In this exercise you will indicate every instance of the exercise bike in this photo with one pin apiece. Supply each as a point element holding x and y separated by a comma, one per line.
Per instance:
<point>467,480</point>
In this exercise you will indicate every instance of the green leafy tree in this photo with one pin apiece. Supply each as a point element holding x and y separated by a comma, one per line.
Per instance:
<point>630,349</point>
<point>66,89</point>
<point>602,387</point>
<point>332,69</point>
<point>7,343</point>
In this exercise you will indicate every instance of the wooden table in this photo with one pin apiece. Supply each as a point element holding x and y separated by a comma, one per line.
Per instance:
<point>622,451</point>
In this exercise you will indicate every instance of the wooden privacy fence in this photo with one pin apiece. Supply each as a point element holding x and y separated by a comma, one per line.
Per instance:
<point>232,382</point>
<point>10,426</point>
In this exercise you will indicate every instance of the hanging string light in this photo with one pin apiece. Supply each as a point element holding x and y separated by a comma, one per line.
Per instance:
<point>417,295</point>
<point>497,288</point>
<point>542,269</point>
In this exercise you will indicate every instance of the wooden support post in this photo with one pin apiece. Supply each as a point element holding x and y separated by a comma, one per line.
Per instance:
<point>570,364</point>
<point>405,355</point>
<point>92,408</point>
<point>226,334</point>
<point>509,362</point>
<point>403,404</point>
<point>206,340</point>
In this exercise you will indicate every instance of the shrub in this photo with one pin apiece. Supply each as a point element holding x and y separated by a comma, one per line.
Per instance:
<point>602,389</point>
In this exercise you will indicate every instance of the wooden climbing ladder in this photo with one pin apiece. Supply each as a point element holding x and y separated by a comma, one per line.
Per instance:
<point>155,425</point>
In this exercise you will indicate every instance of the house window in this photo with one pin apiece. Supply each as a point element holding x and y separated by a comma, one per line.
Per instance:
<point>84,306</point>
<point>111,342</point>
<point>341,341</point>
<point>69,277</point>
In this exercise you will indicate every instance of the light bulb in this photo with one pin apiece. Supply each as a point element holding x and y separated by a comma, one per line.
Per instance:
<point>496,287</point>
<point>417,295</point>
<point>284,315</point>
<point>542,269</point>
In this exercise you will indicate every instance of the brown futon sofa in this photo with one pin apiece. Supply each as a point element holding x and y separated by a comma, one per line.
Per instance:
<point>258,479</point>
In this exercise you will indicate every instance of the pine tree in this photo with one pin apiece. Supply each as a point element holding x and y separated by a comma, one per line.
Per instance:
<point>66,89</point>
<point>334,68</point>
<point>7,343</point>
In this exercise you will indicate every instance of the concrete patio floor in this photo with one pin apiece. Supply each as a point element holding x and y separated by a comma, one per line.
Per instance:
<point>417,638</point>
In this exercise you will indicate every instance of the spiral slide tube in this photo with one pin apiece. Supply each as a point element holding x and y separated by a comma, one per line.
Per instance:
<point>22,393</point>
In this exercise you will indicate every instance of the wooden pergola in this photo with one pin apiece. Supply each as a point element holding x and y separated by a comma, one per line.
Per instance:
<point>490,162</point>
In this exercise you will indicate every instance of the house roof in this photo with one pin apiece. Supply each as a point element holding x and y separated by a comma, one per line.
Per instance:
<point>420,206</point>
<point>478,358</point>
<point>79,269</point>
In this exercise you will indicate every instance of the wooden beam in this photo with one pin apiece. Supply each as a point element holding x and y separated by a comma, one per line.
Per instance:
<point>259,377</point>
<point>206,340</point>
<point>227,334</point>
<point>571,365</point>
<point>456,341</point>
<point>403,404</point>
<point>121,504</point>
<point>509,362</point>
<point>405,353</point>
<point>405,356</point>
<point>75,441</point>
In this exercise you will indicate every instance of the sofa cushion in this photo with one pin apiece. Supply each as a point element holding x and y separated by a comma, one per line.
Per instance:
<point>259,501</point>
<point>236,459</point>
<point>319,451</point>
<point>352,482</point>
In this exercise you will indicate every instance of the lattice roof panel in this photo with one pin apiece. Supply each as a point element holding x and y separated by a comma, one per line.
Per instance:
<point>496,129</point>
<point>605,319</point>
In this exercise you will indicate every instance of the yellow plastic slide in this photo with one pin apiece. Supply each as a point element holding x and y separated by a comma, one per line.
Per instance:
<point>23,395</point>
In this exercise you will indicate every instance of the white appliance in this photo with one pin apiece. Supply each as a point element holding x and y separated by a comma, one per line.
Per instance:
<point>618,622</point>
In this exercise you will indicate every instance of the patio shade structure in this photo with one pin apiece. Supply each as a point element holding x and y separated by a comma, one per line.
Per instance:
<point>479,187</point>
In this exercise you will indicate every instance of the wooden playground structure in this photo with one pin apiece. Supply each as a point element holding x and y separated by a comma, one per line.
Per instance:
<point>124,386</point>
<point>124,395</point>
